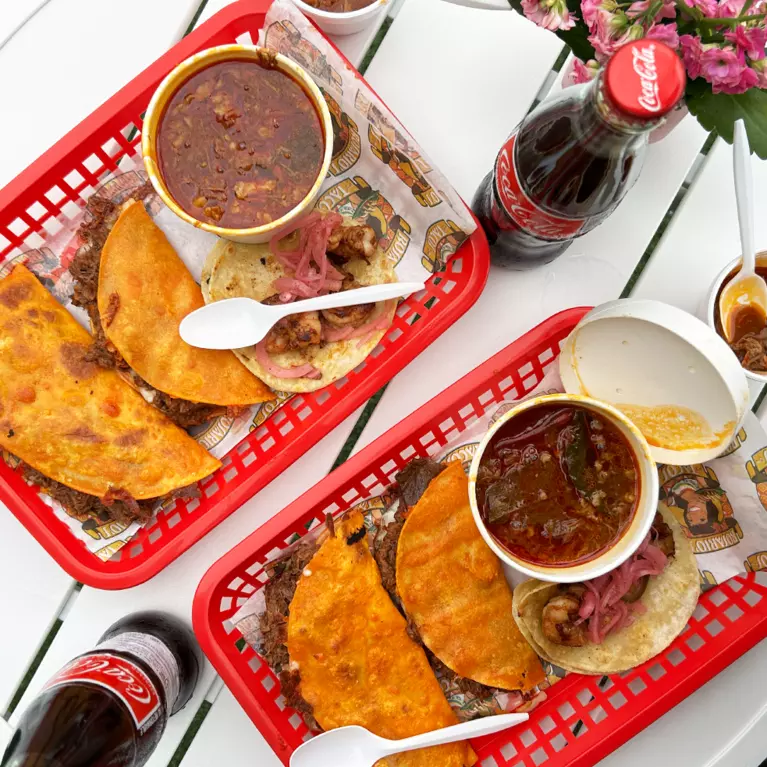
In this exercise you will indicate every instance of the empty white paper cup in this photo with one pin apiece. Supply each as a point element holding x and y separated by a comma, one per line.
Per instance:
<point>340,24</point>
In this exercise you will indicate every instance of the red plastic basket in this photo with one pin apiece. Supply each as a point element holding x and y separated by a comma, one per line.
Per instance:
<point>56,187</point>
<point>584,718</point>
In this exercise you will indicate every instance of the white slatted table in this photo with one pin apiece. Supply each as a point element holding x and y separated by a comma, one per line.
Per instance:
<point>429,69</point>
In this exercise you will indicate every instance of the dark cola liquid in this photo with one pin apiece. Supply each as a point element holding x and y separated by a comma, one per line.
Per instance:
<point>85,725</point>
<point>571,164</point>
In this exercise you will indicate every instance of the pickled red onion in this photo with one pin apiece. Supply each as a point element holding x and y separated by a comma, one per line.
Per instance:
<point>299,371</point>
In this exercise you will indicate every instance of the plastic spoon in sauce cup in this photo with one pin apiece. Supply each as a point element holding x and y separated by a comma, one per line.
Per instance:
<point>743,301</point>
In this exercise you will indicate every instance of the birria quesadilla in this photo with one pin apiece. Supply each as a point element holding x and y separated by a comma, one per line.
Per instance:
<point>452,587</point>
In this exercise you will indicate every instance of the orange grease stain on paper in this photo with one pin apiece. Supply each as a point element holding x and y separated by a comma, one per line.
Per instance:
<point>675,427</point>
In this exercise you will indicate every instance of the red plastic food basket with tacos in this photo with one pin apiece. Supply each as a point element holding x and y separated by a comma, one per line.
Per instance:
<point>584,718</point>
<point>57,185</point>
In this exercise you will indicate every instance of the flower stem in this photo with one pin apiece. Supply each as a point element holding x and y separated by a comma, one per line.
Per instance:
<point>731,21</point>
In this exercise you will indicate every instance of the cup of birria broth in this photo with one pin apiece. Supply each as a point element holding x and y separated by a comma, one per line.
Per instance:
<point>750,327</point>
<point>563,488</point>
<point>237,141</point>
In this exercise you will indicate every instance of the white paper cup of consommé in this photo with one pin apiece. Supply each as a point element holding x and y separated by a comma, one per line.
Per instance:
<point>710,307</point>
<point>639,526</point>
<point>343,23</point>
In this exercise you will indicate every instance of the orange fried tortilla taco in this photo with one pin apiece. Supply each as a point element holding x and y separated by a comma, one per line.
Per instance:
<point>452,587</point>
<point>350,656</point>
<point>85,436</point>
<point>137,290</point>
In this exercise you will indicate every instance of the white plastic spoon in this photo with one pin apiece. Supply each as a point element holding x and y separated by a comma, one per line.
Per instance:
<point>358,747</point>
<point>747,287</point>
<point>237,322</point>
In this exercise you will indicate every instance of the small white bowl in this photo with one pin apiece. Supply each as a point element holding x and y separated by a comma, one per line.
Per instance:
<point>340,24</point>
<point>641,352</point>
<point>176,79</point>
<point>632,537</point>
<point>710,309</point>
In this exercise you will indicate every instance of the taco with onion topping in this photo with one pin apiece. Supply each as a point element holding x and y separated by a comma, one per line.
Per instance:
<point>620,620</point>
<point>323,254</point>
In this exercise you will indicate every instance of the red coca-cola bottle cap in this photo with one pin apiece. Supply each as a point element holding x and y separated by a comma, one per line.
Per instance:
<point>645,79</point>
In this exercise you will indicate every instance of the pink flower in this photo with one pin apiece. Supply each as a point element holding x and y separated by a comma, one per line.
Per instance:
<point>760,68</point>
<point>589,9</point>
<point>549,14</point>
<point>580,72</point>
<point>729,8</point>
<point>750,41</point>
<point>706,7</point>
<point>726,70</point>
<point>692,50</point>
<point>606,36</point>
<point>666,33</point>
<point>667,11</point>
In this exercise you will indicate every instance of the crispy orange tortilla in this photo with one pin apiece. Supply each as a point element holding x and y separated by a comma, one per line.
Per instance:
<point>75,422</point>
<point>357,663</point>
<point>145,290</point>
<point>453,587</point>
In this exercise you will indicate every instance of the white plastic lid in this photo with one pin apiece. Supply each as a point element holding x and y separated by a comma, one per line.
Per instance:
<point>646,353</point>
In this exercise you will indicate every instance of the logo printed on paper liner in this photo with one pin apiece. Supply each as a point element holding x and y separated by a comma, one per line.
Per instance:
<point>283,37</point>
<point>347,145</point>
<point>757,472</point>
<point>443,238</point>
<point>697,499</point>
<point>355,198</point>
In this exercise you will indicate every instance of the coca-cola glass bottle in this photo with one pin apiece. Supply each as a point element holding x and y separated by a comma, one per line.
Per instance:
<point>109,707</point>
<point>573,159</point>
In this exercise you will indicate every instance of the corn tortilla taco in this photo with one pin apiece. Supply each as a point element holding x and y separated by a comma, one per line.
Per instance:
<point>305,352</point>
<point>453,588</point>
<point>620,620</point>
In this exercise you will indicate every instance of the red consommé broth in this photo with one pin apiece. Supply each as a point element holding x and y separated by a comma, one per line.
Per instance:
<point>558,485</point>
<point>240,144</point>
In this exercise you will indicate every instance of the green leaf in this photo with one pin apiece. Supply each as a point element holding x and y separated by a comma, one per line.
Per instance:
<point>719,111</point>
<point>576,38</point>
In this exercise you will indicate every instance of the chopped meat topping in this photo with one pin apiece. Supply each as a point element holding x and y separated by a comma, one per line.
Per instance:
<point>348,316</point>
<point>349,242</point>
<point>751,350</point>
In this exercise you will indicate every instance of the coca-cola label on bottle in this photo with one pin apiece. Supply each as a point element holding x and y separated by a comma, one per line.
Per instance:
<point>521,209</point>
<point>121,677</point>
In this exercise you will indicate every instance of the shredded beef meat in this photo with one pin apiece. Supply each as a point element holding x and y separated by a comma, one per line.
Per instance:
<point>278,594</point>
<point>415,477</point>
<point>117,505</point>
<point>751,350</point>
<point>85,270</point>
